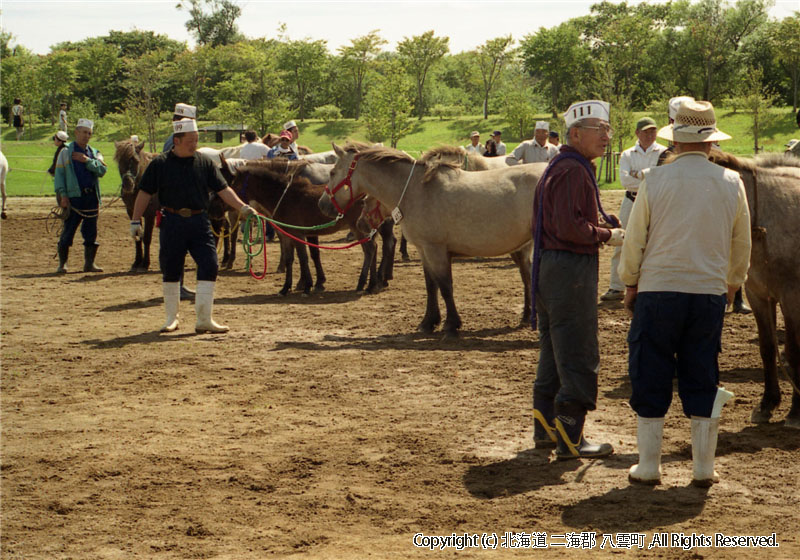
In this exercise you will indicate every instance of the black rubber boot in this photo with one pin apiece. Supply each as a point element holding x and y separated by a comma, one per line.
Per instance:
<point>739,306</point>
<point>63,255</point>
<point>571,444</point>
<point>89,252</point>
<point>544,431</point>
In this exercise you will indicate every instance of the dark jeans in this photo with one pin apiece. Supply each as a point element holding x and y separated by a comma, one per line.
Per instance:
<point>86,204</point>
<point>566,307</point>
<point>181,235</point>
<point>671,334</point>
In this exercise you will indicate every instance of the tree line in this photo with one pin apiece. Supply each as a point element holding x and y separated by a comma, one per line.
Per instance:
<point>635,56</point>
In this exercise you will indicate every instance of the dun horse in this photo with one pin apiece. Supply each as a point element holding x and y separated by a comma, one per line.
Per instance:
<point>292,199</point>
<point>132,162</point>
<point>772,184</point>
<point>452,213</point>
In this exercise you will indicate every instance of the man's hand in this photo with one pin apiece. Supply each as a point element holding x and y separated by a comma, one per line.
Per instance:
<point>636,174</point>
<point>79,157</point>
<point>137,231</point>
<point>617,237</point>
<point>612,222</point>
<point>63,202</point>
<point>245,211</point>
<point>630,299</point>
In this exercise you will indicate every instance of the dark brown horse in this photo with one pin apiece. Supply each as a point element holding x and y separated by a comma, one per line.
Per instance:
<point>772,183</point>
<point>132,161</point>
<point>263,184</point>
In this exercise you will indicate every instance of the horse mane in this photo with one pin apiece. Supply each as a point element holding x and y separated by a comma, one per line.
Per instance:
<point>453,152</point>
<point>370,152</point>
<point>759,163</point>
<point>124,150</point>
<point>277,170</point>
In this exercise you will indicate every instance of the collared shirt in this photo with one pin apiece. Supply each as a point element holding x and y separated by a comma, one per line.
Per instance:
<point>501,149</point>
<point>531,151</point>
<point>636,159</point>
<point>254,150</point>
<point>277,151</point>
<point>182,182</point>
<point>570,213</point>
<point>689,229</point>
<point>62,120</point>
<point>479,149</point>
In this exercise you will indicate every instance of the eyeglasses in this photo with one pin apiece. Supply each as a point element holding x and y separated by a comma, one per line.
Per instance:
<point>602,129</point>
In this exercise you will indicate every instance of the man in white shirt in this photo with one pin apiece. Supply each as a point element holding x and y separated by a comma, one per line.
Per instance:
<point>254,149</point>
<point>535,150</point>
<point>62,118</point>
<point>475,147</point>
<point>497,136</point>
<point>633,163</point>
<point>686,250</point>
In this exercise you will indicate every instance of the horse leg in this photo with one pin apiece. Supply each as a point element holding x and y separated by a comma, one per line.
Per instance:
<point>288,250</point>
<point>137,261</point>
<point>149,227</point>
<point>404,248</point>
<point>523,260</point>
<point>225,236</point>
<point>282,263</point>
<point>319,286</point>
<point>792,355</point>
<point>305,283</point>
<point>439,263</point>
<point>370,266</point>
<point>764,312</point>
<point>386,269</point>
<point>432,316</point>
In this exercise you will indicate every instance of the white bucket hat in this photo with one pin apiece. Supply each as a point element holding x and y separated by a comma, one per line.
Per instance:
<point>63,136</point>
<point>591,109</point>
<point>85,123</point>
<point>695,121</point>
<point>289,124</point>
<point>184,125</point>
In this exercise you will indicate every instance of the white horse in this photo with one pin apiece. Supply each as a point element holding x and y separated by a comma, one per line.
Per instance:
<point>230,152</point>
<point>320,157</point>
<point>451,213</point>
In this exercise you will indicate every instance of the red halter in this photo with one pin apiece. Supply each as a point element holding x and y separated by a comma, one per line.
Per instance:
<point>346,182</point>
<point>375,217</point>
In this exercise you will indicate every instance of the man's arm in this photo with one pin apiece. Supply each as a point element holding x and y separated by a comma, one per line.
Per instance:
<point>630,262</point>
<point>97,165</point>
<point>741,243</point>
<point>628,177</point>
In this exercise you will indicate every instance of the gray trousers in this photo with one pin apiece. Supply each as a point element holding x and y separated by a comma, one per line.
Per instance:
<point>566,307</point>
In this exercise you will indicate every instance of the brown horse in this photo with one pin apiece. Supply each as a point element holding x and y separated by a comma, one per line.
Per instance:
<point>263,184</point>
<point>132,161</point>
<point>772,183</point>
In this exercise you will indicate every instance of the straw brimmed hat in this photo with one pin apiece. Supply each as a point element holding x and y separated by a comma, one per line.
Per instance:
<point>695,121</point>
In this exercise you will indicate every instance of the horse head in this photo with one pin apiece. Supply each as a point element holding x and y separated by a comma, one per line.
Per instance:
<point>127,156</point>
<point>339,194</point>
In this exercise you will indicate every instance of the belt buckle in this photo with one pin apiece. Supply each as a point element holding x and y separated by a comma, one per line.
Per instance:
<point>185,213</point>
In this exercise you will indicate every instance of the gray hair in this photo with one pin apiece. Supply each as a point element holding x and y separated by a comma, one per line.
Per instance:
<point>567,140</point>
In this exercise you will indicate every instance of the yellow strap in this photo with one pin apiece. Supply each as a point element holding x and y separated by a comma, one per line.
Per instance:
<point>573,447</point>
<point>543,421</point>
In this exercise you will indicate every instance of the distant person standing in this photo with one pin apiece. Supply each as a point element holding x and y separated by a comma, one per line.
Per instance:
<point>59,141</point>
<point>535,150</point>
<point>497,136</point>
<point>254,149</point>
<point>62,118</point>
<point>17,114</point>
<point>633,164</point>
<point>491,149</point>
<point>284,147</point>
<point>77,183</point>
<point>291,127</point>
<point>553,138</point>
<point>475,146</point>
<point>3,173</point>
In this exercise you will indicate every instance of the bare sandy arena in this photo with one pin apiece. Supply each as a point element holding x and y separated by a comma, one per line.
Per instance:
<point>326,427</point>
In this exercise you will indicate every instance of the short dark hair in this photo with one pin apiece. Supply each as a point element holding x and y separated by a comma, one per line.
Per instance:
<point>17,101</point>
<point>63,104</point>
<point>250,135</point>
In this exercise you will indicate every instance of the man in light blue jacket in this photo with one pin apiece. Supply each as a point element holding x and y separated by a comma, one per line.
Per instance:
<point>77,185</point>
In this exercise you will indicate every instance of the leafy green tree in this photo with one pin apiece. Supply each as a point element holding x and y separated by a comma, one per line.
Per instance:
<point>97,65</point>
<point>388,106</point>
<point>216,27</point>
<point>57,78</point>
<point>419,54</point>
<point>786,38</point>
<point>20,78</point>
<point>519,111</point>
<point>141,106</point>
<point>303,62</point>
<point>756,101</point>
<point>558,58</point>
<point>328,113</point>
<point>358,58</point>
<point>490,57</point>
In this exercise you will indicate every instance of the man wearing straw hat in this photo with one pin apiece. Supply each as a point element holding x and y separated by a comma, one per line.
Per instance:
<point>567,237</point>
<point>183,179</point>
<point>77,185</point>
<point>535,150</point>
<point>686,250</point>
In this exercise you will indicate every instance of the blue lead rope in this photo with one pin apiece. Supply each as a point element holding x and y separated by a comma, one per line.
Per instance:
<point>537,236</point>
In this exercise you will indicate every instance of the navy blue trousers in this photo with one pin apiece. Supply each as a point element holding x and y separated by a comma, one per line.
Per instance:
<point>86,204</point>
<point>566,307</point>
<point>192,235</point>
<point>671,334</point>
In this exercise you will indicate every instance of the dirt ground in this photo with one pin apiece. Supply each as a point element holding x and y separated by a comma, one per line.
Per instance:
<point>327,427</point>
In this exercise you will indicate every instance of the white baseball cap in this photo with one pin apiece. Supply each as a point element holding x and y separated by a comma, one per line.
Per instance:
<point>85,123</point>
<point>289,124</point>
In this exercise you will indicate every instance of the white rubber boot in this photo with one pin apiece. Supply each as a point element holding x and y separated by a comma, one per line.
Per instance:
<point>204,305</point>
<point>704,449</point>
<point>648,436</point>
<point>172,299</point>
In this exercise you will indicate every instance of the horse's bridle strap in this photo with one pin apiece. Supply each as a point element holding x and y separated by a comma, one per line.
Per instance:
<point>346,182</point>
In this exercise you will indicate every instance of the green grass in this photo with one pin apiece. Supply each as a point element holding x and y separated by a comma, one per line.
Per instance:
<point>28,159</point>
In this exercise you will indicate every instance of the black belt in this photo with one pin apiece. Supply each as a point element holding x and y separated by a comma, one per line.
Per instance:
<point>88,190</point>
<point>183,212</point>
<point>631,195</point>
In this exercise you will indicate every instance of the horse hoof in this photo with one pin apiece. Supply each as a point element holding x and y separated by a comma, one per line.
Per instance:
<point>280,270</point>
<point>319,288</point>
<point>793,423</point>
<point>451,335</point>
<point>406,258</point>
<point>283,292</point>
<point>760,416</point>
<point>425,329</point>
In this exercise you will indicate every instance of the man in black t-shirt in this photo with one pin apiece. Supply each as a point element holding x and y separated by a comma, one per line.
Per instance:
<point>183,179</point>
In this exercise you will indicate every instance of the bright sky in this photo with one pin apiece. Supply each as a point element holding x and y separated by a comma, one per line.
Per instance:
<point>39,24</point>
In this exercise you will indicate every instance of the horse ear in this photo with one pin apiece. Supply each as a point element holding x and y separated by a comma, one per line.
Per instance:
<point>338,150</point>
